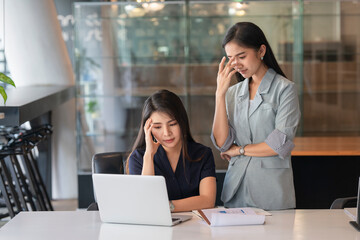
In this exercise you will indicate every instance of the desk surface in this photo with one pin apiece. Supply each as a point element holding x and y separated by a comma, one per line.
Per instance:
<point>27,103</point>
<point>326,146</point>
<point>288,224</point>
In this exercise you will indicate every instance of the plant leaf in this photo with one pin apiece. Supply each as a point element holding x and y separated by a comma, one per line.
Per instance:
<point>3,94</point>
<point>6,79</point>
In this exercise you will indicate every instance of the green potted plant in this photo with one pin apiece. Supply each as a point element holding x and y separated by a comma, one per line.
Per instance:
<point>7,80</point>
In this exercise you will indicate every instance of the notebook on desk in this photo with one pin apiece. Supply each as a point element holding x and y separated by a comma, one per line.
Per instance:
<point>134,199</point>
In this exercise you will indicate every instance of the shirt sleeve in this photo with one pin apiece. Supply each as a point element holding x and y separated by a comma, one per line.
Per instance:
<point>228,142</point>
<point>208,169</point>
<point>286,122</point>
<point>135,163</point>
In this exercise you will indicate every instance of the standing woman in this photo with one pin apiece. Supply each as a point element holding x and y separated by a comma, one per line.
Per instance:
<point>255,122</point>
<point>164,146</point>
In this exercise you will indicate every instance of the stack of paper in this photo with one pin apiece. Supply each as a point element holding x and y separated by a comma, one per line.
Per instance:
<point>231,216</point>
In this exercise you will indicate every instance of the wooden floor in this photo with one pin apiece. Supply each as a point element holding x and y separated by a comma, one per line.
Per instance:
<point>65,204</point>
<point>326,146</point>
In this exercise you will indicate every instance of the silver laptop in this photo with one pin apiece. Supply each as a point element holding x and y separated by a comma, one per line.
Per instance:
<point>134,199</point>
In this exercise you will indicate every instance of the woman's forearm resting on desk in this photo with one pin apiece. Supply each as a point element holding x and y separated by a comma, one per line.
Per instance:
<point>206,199</point>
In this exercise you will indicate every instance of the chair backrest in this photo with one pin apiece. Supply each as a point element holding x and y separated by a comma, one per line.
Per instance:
<point>109,162</point>
<point>341,203</point>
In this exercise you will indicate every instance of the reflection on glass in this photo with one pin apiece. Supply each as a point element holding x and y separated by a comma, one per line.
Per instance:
<point>127,50</point>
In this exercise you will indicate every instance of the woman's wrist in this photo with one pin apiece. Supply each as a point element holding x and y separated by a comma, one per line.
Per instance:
<point>148,155</point>
<point>220,93</point>
<point>242,150</point>
<point>148,164</point>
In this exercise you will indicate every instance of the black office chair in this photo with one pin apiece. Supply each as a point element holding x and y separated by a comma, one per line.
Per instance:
<point>341,203</point>
<point>108,163</point>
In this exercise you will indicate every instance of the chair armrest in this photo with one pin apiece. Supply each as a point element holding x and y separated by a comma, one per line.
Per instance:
<point>340,203</point>
<point>93,207</point>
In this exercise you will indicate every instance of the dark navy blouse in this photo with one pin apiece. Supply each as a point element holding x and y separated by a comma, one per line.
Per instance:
<point>185,181</point>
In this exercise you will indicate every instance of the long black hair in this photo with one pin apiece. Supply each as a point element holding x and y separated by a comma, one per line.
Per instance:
<point>247,34</point>
<point>166,102</point>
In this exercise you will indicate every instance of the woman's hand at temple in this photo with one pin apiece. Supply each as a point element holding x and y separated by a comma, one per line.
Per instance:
<point>220,125</point>
<point>151,149</point>
<point>224,76</point>
<point>151,145</point>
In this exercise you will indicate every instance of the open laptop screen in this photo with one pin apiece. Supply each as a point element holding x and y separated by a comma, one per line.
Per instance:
<point>132,199</point>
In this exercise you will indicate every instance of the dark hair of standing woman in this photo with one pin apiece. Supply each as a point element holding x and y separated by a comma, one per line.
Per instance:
<point>249,35</point>
<point>166,102</point>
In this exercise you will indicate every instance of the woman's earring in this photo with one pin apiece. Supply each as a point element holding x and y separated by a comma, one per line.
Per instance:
<point>262,58</point>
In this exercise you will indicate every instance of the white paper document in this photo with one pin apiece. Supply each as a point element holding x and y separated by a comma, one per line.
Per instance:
<point>231,216</point>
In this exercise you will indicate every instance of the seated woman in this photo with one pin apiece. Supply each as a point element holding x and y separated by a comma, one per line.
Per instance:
<point>164,146</point>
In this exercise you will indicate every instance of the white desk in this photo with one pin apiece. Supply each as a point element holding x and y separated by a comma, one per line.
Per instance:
<point>289,224</point>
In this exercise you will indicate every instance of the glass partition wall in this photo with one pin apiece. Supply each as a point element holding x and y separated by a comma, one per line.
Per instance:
<point>127,50</point>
